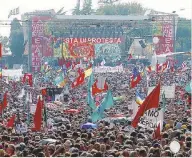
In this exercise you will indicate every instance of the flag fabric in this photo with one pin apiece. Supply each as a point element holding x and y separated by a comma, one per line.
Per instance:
<point>4,102</point>
<point>103,62</point>
<point>11,122</point>
<point>148,69</point>
<point>60,81</point>
<point>105,104</point>
<point>1,50</point>
<point>28,78</point>
<point>38,116</point>
<point>130,57</point>
<point>151,101</point>
<point>135,78</point>
<point>13,12</point>
<point>90,99</point>
<point>88,72</point>
<point>183,65</point>
<point>163,100</point>
<point>161,67</point>
<point>157,132</point>
<point>96,90</point>
<point>139,99</point>
<point>79,80</point>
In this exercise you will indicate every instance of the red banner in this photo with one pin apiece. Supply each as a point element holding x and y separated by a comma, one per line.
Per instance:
<point>41,41</point>
<point>80,50</point>
<point>163,35</point>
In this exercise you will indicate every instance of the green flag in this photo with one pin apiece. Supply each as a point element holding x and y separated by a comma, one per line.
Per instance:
<point>90,99</point>
<point>164,101</point>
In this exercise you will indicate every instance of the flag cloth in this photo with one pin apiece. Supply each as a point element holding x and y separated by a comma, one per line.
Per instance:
<point>148,69</point>
<point>88,72</point>
<point>79,80</point>
<point>28,78</point>
<point>157,132</point>
<point>60,81</point>
<point>38,116</point>
<point>130,57</point>
<point>136,78</point>
<point>1,50</point>
<point>13,12</point>
<point>151,101</point>
<point>106,104</point>
<point>163,100</point>
<point>4,102</point>
<point>96,90</point>
<point>161,67</point>
<point>10,123</point>
<point>139,99</point>
<point>90,99</point>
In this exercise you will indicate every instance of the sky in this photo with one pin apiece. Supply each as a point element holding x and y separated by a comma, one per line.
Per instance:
<point>30,5</point>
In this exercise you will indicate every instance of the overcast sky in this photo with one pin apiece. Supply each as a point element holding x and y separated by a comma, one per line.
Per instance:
<point>31,5</point>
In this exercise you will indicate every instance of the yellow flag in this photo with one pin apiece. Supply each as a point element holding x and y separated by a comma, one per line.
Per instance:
<point>88,72</point>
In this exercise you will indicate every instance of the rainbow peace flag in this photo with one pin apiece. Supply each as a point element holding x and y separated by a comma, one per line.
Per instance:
<point>139,99</point>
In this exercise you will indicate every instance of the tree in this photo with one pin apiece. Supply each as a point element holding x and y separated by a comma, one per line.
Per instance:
<point>121,9</point>
<point>76,10</point>
<point>87,7</point>
<point>16,43</point>
<point>183,35</point>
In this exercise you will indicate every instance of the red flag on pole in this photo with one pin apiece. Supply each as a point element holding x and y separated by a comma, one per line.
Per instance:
<point>38,116</point>
<point>157,132</point>
<point>96,90</point>
<point>4,103</point>
<point>10,123</point>
<point>152,101</point>
<point>28,78</point>
<point>1,50</point>
<point>79,80</point>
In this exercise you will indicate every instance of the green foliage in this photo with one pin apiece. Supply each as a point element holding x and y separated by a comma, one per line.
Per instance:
<point>183,35</point>
<point>87,7</point>
<point>76,10</point>
<point>121,9</point>
<point>16,42</point>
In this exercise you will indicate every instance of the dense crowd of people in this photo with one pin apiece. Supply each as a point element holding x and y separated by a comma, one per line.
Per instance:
<point>63,135</point>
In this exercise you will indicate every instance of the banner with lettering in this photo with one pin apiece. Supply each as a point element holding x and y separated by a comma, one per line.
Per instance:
<point>163,34</point>
<point>151,118</point>
<point>41,41</point>
<point>104,69</point>
<point>87,47</point>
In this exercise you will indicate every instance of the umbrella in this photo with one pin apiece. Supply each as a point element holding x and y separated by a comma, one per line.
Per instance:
<point>88,125</point>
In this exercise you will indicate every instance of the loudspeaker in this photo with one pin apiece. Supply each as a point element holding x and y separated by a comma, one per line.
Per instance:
<point>143,45</point>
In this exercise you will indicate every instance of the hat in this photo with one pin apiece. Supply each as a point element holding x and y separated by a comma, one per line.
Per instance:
<point>68,143</point>
<point>183,126</point>
<point>37,138</point>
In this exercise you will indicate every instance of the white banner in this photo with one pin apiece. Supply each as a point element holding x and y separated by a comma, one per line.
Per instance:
<point>169,91</point>
<point>150,118</point>
<point>104,69</point>
<point>14,74</point>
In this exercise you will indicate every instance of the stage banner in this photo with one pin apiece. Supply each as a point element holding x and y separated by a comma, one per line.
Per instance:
<point>163,34</point>
<point>88,47</point>
<point>41,41</point>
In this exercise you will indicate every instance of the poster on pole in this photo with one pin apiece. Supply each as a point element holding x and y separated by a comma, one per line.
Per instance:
<point>169,91</point>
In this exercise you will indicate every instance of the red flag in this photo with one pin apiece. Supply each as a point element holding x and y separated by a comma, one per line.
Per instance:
<point>44,92</point>
<point>1,50</point>
<point>79,80</point>
<point>152,101</point>
<point>10,123</point>
<point>96,90</point>
<point>38,116</point>
<point>130,57</point>
<point>157,132</point>
<point>28,78</point>
<point>4,103</point>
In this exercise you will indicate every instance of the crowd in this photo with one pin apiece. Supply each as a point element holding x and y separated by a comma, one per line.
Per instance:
<point>64,137</point>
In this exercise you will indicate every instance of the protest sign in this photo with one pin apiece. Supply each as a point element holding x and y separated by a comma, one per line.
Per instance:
<point>169,91</point>
<point>150,118</point>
